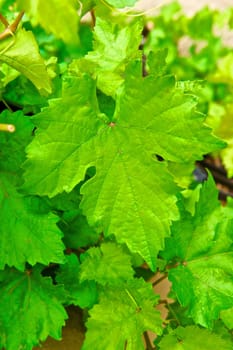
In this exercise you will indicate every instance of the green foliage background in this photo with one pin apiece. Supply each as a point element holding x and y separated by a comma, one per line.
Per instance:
<point>97,187</point>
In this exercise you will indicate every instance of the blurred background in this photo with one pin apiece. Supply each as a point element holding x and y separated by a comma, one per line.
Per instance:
<point>190,6</point>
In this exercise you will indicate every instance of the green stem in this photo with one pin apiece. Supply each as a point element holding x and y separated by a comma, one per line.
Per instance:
<point>7,106</point>
<point>7,127</point>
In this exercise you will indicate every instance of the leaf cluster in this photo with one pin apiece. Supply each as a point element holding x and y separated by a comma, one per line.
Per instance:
<point>97,192</point>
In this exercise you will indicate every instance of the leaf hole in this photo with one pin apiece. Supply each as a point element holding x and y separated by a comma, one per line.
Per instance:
<point>159,158</point>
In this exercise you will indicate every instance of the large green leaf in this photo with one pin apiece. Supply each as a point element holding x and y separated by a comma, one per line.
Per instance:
<point>193,338</point>
<point>57,17</point>
<point>121,317</point>
<point>202,245</point>
<point>114,46</point>
<point>21,53</point>
<point>152,116</point>
<point>30,309</point>
<point>86,140</point>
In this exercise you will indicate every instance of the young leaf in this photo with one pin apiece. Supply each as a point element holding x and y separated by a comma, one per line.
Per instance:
<point>203,244</point>
<point>21,53</point>
<point>83,294</point>
<point>108,264</point>
<point>193,338</point>
<point>57,17</point>
<point>114,46</point>
<point>121,317</point>
<point>35,310</point>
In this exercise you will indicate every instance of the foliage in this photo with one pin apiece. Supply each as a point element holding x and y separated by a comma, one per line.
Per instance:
<point>35,311</point>
<point>97,188</point>
<point>192,337</point>
<point>197,50</point>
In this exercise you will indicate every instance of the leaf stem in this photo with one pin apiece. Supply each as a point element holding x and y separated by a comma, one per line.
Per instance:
<point>4,20</point>
<point>7,106</point>
<point>7,127</point>
<point>10,28</point>
<point>93,17</point>
<point>132,298</point>
<point>159,280</point>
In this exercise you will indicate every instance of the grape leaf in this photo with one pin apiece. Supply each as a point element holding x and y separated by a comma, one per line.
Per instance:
<point>121,317</point>
<point>78,154</point>
<point>202,243</point>
<point>72,137</point>
<point>70,122</point>
<point>25,235</point>
<point>193,338</point>
<point>108,264</point>
<point>122,157</point>
<point>35,309</point>
<point>114,45</point>
<point>57,17</point>
<point>167,112</point>
<point>21,53</point>
<point>83,294</point>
